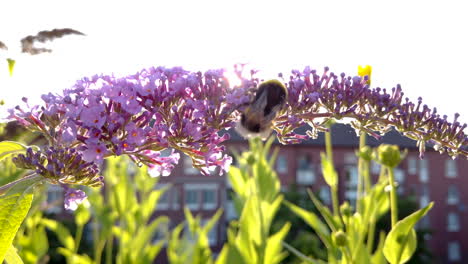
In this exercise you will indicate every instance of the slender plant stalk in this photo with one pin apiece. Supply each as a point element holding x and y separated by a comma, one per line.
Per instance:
<point>97,243</point>
<point>367,179</point>
<point>347,255</point>
<point>393,197</point>
<point>361,169</point>
<point>370,235</point>
<point>78,236</point>
<point>109,246</point>
<point>334,189</point>
<point>262,227</point>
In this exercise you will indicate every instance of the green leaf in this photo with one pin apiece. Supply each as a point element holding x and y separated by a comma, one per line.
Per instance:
<point>75,258</point>
<point>313,221</point>
<point>8,148</point>
<point>237,180</point>
<point>14,206</point>
<point>333,223</point>
<point>12,257</point>
<point>328,171</point>
<point>305,259</point>
<point>82,215</point>
<point>273,249</point>
<point>401,241</point>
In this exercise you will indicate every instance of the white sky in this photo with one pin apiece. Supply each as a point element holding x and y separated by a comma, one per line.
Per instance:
<point>420,44</point>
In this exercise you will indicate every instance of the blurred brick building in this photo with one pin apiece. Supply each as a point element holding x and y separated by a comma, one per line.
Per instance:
<point>436,178</point>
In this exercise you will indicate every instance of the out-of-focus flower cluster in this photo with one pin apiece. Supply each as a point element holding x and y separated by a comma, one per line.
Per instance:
<point>315,97</point>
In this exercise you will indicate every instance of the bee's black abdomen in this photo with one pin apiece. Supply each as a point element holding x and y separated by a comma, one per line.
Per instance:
<point>276,95</point>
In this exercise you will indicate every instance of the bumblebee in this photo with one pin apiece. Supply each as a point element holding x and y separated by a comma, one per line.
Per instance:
<point>256,120</point>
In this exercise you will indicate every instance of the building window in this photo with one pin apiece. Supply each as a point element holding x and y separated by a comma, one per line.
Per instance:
<point>305,173</point>
<point>375,167</point>
<point>423,171</point>
<point>453,196</point>
<point>54,199</point>
<point>412,165</point>
<point>350,158</point>
<point>188,166</point>
<point>209,199</point>
<point>325,195</point>
<point>450,168</point>
<point>282,164</point>
<point>231,212</point>
<point>454,253</point>
<point>201,192</point>
<point>424,222</point>
<point>163,203</point>
<point>351,183</point>
<point>399,178</point>
<point>424,198</point>
<point>453,223</point>
<point>191,199</point>
<point>175,198</point>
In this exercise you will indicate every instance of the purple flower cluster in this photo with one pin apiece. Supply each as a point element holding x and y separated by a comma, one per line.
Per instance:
<point>315,97</point>
<point>60,166</point>
<point>171,108</point>
<point>141,115</point>
<point>64,167</point>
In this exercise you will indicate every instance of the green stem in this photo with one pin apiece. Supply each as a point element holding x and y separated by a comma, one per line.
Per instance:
<point>370,235</point>
<point>393,197</point>
<point>328,146</point>
<point>109,246</point>
<point>347,254</point>
<point>367,180</point>
<point>263,229</point>
<point>361,171</point>
<point>335,202</point>
<point>79,235</point>
<point>97,243</point>
<point>334,189</point>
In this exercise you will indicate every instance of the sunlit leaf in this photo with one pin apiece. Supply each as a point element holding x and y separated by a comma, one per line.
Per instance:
<point>273,249</point>
<point>14,206</point>
<point>401,241</point>
<point>12,257</point>
<point>328,171</point>
<point>8,148</point>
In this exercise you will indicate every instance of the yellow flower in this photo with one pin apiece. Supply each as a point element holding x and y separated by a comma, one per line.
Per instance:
<point>11,65</point>
<point>365,71</point>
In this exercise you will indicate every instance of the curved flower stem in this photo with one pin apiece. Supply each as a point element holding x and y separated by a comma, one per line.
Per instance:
<point>393,197</point>
<point>7,186</point>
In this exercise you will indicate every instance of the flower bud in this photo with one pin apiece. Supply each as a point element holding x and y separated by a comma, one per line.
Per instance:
<point>365,153</point>
<point>346,209</point>
<point>340,238</point>
<point>388,155</point>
